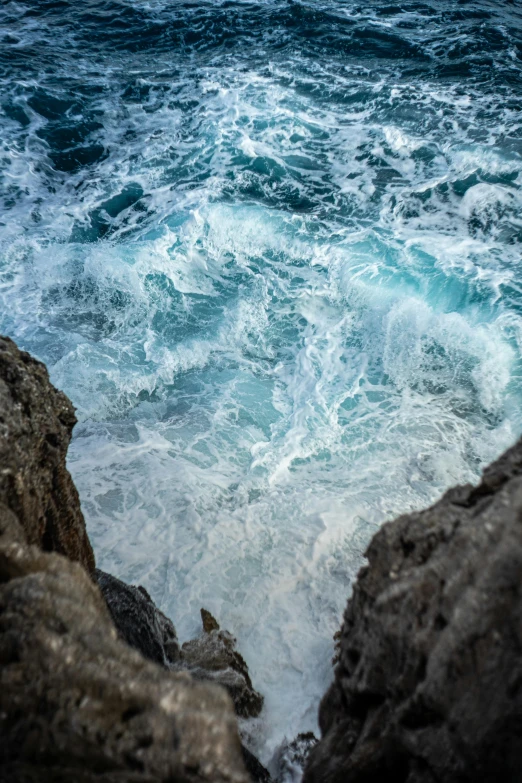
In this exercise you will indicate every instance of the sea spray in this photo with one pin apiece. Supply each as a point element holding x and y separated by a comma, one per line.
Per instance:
<point>272,253</point>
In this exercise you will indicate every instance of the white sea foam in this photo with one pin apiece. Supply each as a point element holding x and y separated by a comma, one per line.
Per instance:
<point>299,317</point>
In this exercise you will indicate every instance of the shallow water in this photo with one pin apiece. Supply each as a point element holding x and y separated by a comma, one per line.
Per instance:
<point>271,251</point>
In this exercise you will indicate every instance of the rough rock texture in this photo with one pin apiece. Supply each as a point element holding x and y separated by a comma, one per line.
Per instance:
<point>429,683</point>
<point>256,770</point>
<point>143,626</point>
<point>76,702</point>
<point>291,757</point>
<point>213,656</point>
<point>138,620</point>
<point>36,422</point>
<point>209,621</point>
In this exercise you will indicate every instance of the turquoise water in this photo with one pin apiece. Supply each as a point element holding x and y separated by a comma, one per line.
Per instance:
<point>272,253</point>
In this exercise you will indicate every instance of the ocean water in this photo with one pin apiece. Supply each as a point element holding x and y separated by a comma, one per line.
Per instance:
<point>272,252</point>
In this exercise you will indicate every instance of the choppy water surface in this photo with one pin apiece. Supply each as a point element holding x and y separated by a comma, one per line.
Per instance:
<point>271,251</point>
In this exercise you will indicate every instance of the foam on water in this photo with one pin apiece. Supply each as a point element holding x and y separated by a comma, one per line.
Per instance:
<point>274,262</point>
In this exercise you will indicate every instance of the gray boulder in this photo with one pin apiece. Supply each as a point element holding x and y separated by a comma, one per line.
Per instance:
<point>429,681</point>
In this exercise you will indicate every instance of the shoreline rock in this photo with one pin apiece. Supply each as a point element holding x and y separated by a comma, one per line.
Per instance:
<point>210,657</point>
<point>139,621</point>
<point>36,422</point>
<point>213,656</point>
<point>76,702</point>
<point>429,681</point>
<point>428,677</point>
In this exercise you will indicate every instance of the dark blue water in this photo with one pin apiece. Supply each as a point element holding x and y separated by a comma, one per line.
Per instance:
<point>271,251</point>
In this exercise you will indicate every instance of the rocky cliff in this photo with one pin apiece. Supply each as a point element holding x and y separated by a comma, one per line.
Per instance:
<point>36,423</point>
<point>212,656</point>
<point>94,685</point>
<point>76,702</point>
<point>429,681</point>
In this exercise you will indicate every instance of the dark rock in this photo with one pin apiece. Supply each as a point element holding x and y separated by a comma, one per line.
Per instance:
<point>143,626</point>
<point>209,621</point>
<point>337,648</point>
<point>210,657</point>
<point>429,683</point>
<point>139,621</point>
<point>36,423</point>
<point>290,759</point>
<point>256,770</point>
<point>213,656</point>
<point>76,702</point>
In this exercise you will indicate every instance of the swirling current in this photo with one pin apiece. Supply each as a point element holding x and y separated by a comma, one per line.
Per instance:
<point>271,251</point>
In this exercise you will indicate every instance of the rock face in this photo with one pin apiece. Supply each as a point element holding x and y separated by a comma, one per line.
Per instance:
<point>76,702</point>
<point>429,682</point>
<point>36,423</point>
<point>256,770</point>
<point>139,621</point>
<point>213,656</point>
<point>291,757</point>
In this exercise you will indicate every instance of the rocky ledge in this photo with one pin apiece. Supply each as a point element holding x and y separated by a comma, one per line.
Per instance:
<point>428,686</point>
<point>77,702</point>
<point>212,656</point>
<point>36,423</point>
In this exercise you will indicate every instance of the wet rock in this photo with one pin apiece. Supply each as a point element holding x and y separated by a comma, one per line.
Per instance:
<point>256,770</point>
<point>429,681</point>
<point>36,423</point>
<point>139,621</point>
<point>78,704</point>
<point>337,648</point>
<point>213,656</point>
<point>290,759</point>
<point>209,622</point>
